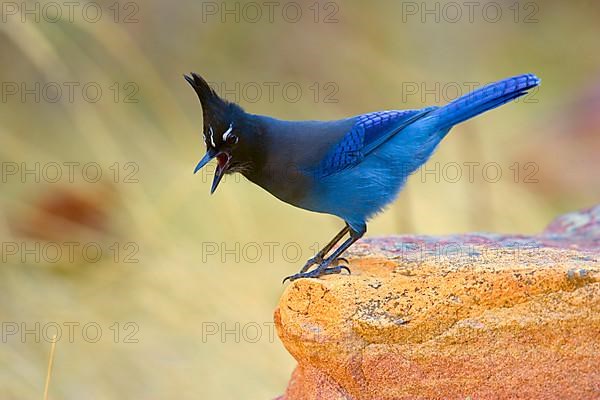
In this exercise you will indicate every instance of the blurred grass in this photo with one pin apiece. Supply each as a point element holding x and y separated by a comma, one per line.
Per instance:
<point>369,53</point>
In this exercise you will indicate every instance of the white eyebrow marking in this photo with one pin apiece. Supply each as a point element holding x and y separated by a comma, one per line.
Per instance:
<point>227,132</point>
<point>212,139</point>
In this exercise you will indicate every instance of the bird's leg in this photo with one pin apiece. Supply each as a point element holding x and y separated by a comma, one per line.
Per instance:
<point>319,257</point>
<point>324,268</point>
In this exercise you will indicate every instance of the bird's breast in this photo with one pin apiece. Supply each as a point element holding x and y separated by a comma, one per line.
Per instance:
<point>286,182</point>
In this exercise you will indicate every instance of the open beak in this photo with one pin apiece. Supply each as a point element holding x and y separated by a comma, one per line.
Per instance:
<point>223,163</point>
<point>210,154</point>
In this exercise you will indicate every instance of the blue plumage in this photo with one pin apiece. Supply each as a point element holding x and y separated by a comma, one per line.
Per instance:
<point>351,168</point>
<point>365,171</point>
<point>484,99</point>
<point>368,132</point>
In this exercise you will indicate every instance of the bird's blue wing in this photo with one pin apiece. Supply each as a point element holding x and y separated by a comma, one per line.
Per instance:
<point>369,132</point>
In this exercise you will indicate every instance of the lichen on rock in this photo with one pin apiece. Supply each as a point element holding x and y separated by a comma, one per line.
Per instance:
<point>477,315</point>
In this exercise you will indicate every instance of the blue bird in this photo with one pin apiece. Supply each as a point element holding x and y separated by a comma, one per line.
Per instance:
<point>351,168</point>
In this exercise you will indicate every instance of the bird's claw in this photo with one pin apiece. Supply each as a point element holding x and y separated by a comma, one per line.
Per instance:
<point>310,262</point>
<point>318,272</point>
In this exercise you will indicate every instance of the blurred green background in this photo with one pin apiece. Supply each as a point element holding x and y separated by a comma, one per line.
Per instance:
<point>185,287</point>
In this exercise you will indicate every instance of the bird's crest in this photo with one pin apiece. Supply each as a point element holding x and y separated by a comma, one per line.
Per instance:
<point>215,111</point>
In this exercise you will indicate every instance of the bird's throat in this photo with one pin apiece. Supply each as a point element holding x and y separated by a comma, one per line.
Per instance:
<point>222,160</point>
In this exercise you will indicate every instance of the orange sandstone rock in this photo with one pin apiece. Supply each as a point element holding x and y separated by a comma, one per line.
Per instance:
<point>470,316</point>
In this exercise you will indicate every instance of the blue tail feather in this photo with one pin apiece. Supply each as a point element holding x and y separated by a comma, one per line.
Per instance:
<point>484,99</point>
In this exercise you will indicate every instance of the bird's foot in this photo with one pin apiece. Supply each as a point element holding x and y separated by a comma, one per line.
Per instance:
<point>313,261</point>
<point>317,272</point>
<point>337,260</point>
<point>317,260</point>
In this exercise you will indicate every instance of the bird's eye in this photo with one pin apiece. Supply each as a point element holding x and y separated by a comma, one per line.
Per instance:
<point>231,139</point>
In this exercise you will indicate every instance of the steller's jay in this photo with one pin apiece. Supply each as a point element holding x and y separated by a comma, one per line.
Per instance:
<point>351,168</point>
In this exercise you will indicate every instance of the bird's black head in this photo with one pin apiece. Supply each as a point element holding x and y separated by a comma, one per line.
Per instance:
<point>229,133</point>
